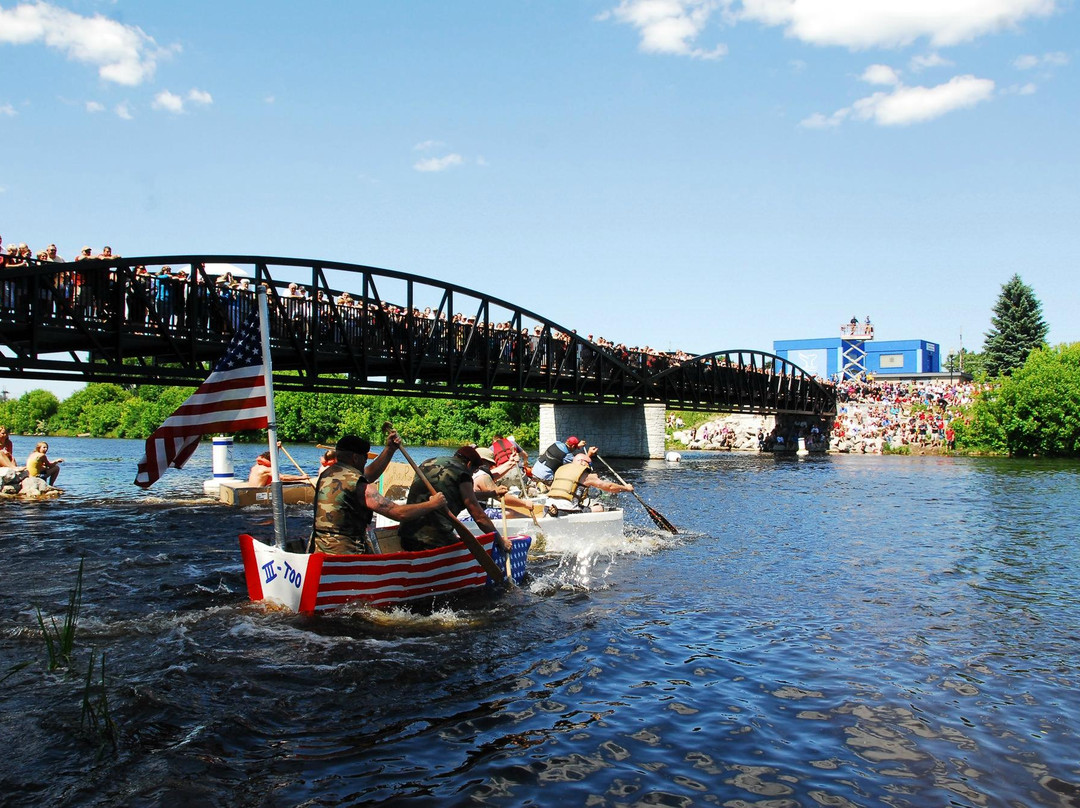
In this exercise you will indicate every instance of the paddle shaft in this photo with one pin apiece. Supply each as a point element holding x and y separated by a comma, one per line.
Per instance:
<point>657,517</point>
<point>298,467</point>
<point>477,549</point>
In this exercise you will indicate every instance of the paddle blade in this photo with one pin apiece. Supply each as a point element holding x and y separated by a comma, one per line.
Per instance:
<point>659,520</point>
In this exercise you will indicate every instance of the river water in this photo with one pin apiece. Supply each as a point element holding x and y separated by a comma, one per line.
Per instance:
<point>835,631</point>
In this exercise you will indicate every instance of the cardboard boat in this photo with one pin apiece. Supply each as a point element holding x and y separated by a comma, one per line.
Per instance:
<point>315,583</point>
<point>240,493</point>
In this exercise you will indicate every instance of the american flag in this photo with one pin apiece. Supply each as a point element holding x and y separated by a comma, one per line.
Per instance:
<point>231,399</point>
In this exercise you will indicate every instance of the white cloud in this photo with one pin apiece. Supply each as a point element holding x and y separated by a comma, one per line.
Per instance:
<point>819,121</point>
<point>1030,61</point>
<point>169,102</point>
<point>439,163</point>
<point>880,74</point>
<point>669,26</point>
<point>1030,88</point>
<point>888,23</point>
<point>675,26</point>
<point>908,105</point>
<point>269,99</point>
<point>8,110</point>
<point>95,106</point>
<point>123,54</point>
<point>123,110</point>
<point>428,145</point>
<point>924,61</point>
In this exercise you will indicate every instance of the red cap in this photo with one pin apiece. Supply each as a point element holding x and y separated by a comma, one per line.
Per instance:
<point>572,441</point>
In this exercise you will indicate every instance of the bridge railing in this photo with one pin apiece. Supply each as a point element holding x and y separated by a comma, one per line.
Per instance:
<point>343,327</point>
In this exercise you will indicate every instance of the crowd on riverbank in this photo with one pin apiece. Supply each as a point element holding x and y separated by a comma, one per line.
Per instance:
<point>872,417</point>
<point>879,416</point>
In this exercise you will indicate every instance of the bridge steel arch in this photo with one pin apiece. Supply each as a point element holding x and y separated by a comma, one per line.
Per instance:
<point>743,380</point>
<point>123,321</point>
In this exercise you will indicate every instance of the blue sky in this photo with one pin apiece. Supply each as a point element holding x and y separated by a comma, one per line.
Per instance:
<point>691,174</point>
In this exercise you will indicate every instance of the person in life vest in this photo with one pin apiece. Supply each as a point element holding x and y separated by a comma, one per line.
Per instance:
<point>557,454</point>
<point>345,502</point>
<point>451,477</point>
<point>570,487</point>
<point>511,462</point>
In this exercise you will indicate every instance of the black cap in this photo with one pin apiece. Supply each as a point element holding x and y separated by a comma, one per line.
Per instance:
<point>351,443</point>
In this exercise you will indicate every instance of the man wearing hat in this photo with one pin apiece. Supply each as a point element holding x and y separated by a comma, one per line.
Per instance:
<point>488,485</point>
<point>557,454</point>
<point>345,502</point>
<point>451,477</point>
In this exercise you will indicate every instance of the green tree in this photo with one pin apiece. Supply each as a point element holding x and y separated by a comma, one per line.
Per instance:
<point>1034,412</point>
<point>1018,328</point>
<point>78,413</point>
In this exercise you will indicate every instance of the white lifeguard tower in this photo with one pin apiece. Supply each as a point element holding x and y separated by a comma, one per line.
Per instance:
<point>853,339</point>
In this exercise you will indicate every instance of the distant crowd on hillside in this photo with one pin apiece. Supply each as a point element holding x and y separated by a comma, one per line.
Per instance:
<point>879,415</point>
<point>872,417</point>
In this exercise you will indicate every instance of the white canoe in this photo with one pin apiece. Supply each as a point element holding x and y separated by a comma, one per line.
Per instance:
<point>567,533</point>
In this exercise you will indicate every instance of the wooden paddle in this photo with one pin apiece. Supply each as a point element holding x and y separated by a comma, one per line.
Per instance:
<point>298,468</point>
<point>466,536</point>
<point>655,515</point>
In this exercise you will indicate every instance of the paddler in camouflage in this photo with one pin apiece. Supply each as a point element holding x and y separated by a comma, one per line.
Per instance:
<point>452,478</point>
<point>345,502</point>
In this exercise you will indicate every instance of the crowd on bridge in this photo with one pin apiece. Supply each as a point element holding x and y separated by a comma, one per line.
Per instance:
<point>169,300</point>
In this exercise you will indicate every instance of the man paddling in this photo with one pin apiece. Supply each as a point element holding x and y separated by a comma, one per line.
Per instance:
<point>345,499</point>
<point>556,455</point>
<point>452,479</point>
<point>571,484</point>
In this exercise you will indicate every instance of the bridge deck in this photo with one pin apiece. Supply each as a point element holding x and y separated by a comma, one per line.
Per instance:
<point>118,321</point>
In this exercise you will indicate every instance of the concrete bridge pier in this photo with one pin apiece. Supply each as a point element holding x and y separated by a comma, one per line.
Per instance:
<point>633,430</point>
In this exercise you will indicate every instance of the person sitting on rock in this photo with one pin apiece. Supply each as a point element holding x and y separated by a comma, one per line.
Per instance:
<point>6,459</point>
<point>39,465</point>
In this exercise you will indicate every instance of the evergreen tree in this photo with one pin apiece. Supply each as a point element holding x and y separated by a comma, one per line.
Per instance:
<point>1018,328</point>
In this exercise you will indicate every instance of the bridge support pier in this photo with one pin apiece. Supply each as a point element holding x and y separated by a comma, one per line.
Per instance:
<point>620,431</point>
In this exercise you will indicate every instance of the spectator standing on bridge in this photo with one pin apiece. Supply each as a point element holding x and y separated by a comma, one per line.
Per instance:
<point>452,478</point>
<point>556,455</point>
<point>346,498</point>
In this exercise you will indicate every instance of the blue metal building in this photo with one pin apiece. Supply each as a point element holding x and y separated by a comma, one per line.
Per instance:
<point>854,353</point>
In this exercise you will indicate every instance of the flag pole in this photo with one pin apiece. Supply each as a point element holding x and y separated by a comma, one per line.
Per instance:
<point>277,500</point>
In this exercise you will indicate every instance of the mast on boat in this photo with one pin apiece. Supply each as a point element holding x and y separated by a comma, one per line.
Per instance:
<point>277,499</point>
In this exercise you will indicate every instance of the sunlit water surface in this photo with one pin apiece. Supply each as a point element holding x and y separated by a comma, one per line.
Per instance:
<point>834,631</point>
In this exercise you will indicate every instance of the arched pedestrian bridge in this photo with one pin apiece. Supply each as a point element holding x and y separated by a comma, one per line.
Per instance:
<point>346,328</point>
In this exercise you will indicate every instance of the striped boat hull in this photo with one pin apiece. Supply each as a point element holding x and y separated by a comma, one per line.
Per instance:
<point>310,584</point>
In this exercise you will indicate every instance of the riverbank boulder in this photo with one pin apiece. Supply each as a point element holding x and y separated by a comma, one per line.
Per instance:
<point>18,483</point>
